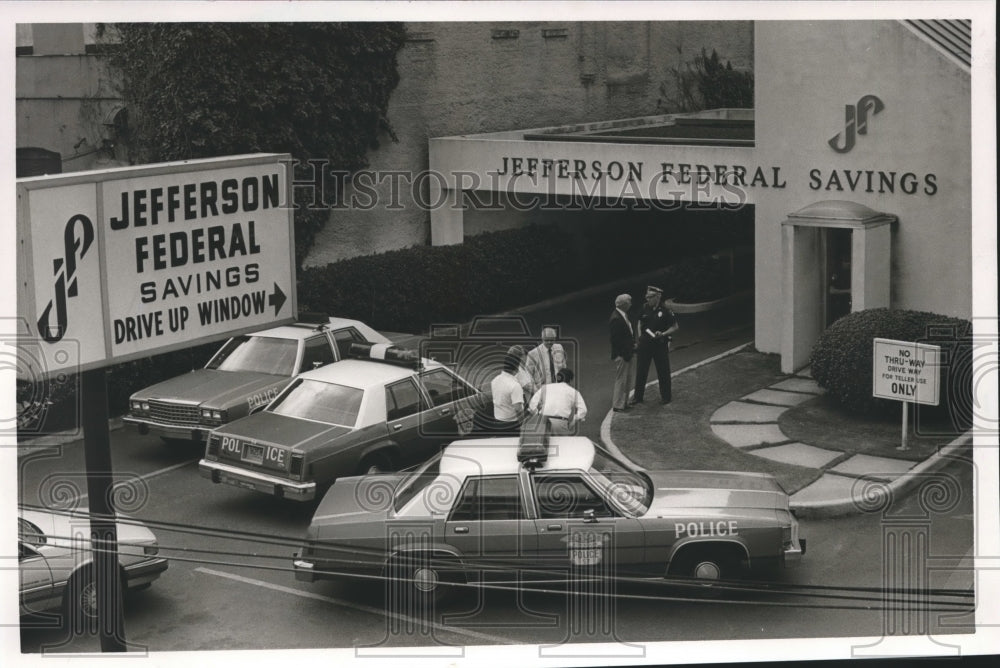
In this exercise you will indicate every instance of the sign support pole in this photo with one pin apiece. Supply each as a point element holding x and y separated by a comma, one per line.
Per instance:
<point>104,532</point>
<point>906,425</point>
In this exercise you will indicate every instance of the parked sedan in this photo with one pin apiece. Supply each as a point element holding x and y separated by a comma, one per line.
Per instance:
<point>242,377</point>
<point>546,504</point>
<point>383,409</point>
<point>56,561</point>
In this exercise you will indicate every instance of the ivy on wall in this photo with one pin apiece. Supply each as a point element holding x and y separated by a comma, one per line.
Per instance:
<point>706,83</point>
<point>319,91</point>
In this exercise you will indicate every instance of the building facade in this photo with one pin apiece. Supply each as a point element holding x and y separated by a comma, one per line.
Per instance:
<point>858,170</point>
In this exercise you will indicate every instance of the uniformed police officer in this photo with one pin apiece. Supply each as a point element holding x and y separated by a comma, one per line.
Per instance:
<point>656,324</point>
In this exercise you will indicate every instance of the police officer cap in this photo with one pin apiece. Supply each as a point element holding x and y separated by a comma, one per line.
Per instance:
<point>650,289</point>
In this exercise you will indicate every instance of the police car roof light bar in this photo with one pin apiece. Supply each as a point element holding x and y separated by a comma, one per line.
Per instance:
<point>533,448</point>
<point>384,352</point>
<point>317,318</point>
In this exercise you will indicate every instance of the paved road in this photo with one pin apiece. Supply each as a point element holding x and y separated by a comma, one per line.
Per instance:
<point>229,585</point>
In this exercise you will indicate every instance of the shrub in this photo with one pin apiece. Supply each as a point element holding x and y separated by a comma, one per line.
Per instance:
<point>842,359</point>
<point>408,290</point>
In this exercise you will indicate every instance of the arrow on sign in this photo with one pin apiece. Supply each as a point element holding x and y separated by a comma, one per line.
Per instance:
<point>277,298</point>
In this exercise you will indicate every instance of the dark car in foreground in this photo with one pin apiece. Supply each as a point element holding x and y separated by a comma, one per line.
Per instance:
<point>555,504</point>
<point>381,410</point>
<point>245,374</point>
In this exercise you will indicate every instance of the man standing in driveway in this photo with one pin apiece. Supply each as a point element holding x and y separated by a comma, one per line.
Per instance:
<point>546,360</point>
<point>656,324</point>
<point>622,350</point>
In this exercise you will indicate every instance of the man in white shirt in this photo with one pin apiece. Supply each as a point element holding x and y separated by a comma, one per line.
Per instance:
<point>560,404</point>
<point>508,398</point>
<point>546,360</point>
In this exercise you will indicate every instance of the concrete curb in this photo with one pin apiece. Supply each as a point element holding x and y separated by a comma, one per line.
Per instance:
<point>877,495</point>
<point>619,284</point>
<point>701,307</point>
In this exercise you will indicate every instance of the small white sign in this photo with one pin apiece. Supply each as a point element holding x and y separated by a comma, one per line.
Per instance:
<point>906,371</point>
<point>137,261</point>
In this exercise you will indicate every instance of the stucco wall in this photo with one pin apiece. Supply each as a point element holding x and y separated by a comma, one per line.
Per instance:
<point>806,72</point>
<point>63,96</point>
<point>458,78</point>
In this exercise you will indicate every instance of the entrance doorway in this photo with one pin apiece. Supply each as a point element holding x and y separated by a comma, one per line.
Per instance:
<point>836,259</point>
<point>837,295</point>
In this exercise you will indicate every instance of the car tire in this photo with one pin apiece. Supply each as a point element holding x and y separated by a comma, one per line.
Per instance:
<point>375,463</point>
<point>705,565</point>
<point>80,602</point>
<point>419,581</point>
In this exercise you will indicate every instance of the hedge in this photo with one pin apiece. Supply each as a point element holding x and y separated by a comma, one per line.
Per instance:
<point>842,360</point>
<point>410,289</point>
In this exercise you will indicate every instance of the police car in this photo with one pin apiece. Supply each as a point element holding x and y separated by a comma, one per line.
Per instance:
<point>56,561</point>
<point>546,504</point>
<point>243,376</point>
<point>384,408</point>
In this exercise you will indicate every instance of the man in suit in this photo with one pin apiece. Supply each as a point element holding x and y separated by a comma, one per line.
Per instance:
<point>546,360</point>
<point>656,325</point>
<point>622,351</point>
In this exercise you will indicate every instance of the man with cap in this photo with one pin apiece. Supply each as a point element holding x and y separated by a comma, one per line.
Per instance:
<point>656,324</point>
<point>546,360</point>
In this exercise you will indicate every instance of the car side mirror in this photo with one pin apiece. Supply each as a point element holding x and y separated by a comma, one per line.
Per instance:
<point>589,516</point>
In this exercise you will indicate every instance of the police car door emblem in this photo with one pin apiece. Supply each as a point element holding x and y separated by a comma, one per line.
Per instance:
<point>586,548</point>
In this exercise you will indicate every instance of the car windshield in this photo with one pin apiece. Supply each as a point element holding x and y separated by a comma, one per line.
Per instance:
<point>417,481</point>
<point>260,354</point>
<point>316,400</point>
<point>631,489</point>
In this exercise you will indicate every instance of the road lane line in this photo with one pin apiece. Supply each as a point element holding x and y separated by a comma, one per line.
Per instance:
<point>356,606</point>
<point>145,476</point>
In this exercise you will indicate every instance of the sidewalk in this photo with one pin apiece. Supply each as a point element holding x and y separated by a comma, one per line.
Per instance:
<point>738,412</point>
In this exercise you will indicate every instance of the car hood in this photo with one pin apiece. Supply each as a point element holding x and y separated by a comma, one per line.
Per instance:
<point>283,430</point>
<point>217,387</point>
<point>679,491</point>
<point>357,499</point>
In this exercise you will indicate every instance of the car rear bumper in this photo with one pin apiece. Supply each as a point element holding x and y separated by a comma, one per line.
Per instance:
<point>182,431</point>
<point>793,553</point>
<point>268,484</point>
<point>305,571</point>
<point>144,572</point>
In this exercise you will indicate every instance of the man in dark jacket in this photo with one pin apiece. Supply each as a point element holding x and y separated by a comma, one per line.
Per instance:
<point>656,324</point>
<point>622,350</point>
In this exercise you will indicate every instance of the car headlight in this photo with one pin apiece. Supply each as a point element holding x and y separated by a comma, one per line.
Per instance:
<point>213,415</point>
<point>135,406</point>
<point>145,406</point>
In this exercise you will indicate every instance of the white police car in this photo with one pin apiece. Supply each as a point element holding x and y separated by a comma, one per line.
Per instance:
<point>380,410</point>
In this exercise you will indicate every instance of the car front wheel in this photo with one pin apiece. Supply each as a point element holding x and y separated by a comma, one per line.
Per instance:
<point>418,581</point>
<point>375,463</point>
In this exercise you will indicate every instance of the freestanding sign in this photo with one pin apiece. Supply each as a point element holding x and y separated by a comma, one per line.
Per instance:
<point>908,372</point>
<point>126,263</point>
